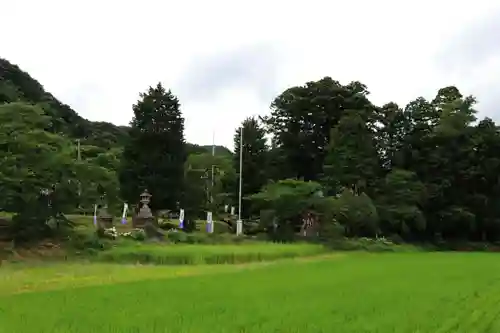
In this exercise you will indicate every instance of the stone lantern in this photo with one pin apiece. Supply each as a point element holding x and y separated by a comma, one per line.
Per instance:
<point>144,216</point>
<point>104,218</point>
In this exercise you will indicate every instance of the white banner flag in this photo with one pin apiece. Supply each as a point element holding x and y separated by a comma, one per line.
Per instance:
<point>181,218</point>
<point>124,214</point>
<point>239,227</point>
<point>232,210</point>
<point>210,225</point>
<point>95,214</point>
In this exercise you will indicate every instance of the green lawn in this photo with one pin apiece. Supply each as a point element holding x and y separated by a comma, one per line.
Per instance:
<point>355,292</point>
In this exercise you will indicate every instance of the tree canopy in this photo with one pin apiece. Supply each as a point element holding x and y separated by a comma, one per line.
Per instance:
<point>424,171</point>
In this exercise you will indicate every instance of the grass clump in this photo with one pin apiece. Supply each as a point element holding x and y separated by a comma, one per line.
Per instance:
<point>186,254</point>
<point>179,237</point>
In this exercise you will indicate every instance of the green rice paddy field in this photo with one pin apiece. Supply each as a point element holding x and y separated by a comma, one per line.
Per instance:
<point>345,292</point>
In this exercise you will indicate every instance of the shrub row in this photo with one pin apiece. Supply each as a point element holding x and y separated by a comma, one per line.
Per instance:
<point>370,245</point>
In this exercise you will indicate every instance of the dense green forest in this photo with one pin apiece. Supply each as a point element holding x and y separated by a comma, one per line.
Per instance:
<point>426,171</point>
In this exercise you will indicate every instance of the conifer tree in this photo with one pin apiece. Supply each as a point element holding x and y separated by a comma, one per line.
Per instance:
<point>154,157</point>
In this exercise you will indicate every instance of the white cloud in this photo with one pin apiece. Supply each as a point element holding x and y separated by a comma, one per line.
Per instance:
<point>98,56</point>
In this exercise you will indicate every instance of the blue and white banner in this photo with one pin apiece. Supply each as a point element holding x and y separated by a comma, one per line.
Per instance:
<point>95,215</point>
<point>181,219</point>
<point>210,225</point>
<point>124,214</point>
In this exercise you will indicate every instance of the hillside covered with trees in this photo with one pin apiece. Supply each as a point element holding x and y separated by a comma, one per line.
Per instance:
<point>427,171</point>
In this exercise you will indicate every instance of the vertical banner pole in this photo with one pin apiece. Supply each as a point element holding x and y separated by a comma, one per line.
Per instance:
<point>181,219</point>
<point>95,215</point>
<point>124,214</point>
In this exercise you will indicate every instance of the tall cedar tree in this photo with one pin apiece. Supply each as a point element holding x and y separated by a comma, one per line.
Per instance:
<point>352,160</point>
<point>155,155</point>
<point>255,153</point>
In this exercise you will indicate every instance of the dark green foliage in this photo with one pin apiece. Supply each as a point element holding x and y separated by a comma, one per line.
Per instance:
<point>351,160</point>
<point>302,118</point>
<point>424,172</point>
<point>202,193</point>
<point>197,149</point>
<point>255,156</point>
<point>431,172</point>
<point>285,204</point>
<point>42,217</point>
<point>89,243</point>
<point>154,157</point>
<point>399,204</point>
<point>357,213</point>
<point>371,245</point>
<point>38,176</point>
<point>189,224</point>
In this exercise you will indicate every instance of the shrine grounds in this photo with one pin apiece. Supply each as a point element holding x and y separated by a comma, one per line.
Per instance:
<point>335,292</point>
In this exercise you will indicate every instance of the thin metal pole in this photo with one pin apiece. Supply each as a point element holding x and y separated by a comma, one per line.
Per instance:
<point>213,143</point>
<point>213,169</point>
<point>79,156</point>
<point>241,172</point>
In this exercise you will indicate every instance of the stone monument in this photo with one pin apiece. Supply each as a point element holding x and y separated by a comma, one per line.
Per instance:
<point>104,218</point>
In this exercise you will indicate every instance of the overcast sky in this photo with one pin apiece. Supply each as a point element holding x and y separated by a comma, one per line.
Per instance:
<point>227,60</point>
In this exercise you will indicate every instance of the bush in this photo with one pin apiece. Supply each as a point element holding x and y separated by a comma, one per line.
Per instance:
<point>198,238</point>
<point>396,239</point>
<point>332,231</point>
<point>465,246</point>
<point>356,213</point>
<point>221,227</point>
<point>370,245</point>
<point>136,234</point>
<point>109,233</point>
<point>229,238</point>
<point>89,243</point>
<point>176,236</point>
<point>167,224</point>
<point>204,238</point>
<point>283,205</point>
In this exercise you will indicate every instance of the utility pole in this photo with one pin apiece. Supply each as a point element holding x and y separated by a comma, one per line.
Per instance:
<point>239,223</point>
<point>79,158</point>
<point>213,169</point>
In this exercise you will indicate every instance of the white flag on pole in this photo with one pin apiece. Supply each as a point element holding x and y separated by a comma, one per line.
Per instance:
<point>239,227</point>
<point>95,215</point>
<point>124,214</point>
<point>210,226</point>
<point>181,218</point>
